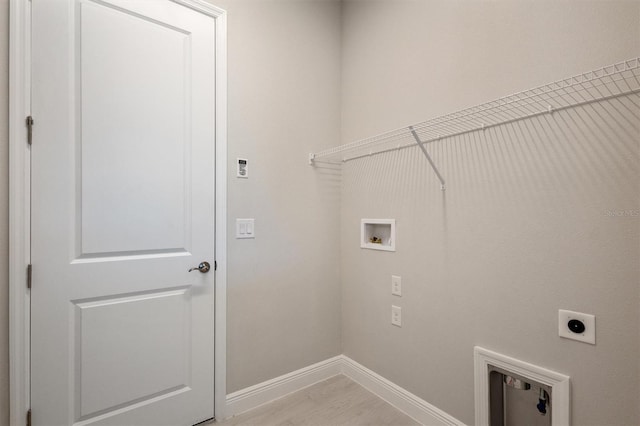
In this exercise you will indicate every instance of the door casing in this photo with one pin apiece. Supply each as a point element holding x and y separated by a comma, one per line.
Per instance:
<point>20,207</point>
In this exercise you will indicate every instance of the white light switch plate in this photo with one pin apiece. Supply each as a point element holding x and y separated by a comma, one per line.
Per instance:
<point>245,228</point>
<point>589,321</point>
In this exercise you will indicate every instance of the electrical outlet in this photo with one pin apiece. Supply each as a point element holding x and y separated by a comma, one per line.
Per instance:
<point>396,315</point>
<point>396,285</point>
<point>577,326</point>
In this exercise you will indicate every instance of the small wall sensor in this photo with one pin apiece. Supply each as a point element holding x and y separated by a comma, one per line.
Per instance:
<point>243,168</point>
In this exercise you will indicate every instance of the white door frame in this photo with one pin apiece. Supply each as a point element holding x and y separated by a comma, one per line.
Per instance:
<point>20,206</point>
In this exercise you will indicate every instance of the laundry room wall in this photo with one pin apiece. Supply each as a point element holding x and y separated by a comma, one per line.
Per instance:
<point>283,307</point>
<point>538,215</point>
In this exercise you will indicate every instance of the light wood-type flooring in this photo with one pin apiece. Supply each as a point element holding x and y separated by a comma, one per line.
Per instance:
<point>335,401</point>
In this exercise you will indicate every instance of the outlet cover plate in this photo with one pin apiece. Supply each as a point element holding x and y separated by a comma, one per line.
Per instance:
<point>589,321</point>
<point>396,285</point>
<point>396,315</point>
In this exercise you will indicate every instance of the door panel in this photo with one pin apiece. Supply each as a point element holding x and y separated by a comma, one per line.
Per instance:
<point>140,164</point>
<point>152,326</point>
<point>122,207</point>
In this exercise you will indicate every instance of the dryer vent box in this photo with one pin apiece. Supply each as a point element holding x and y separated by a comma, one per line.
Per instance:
<point>378,234</point>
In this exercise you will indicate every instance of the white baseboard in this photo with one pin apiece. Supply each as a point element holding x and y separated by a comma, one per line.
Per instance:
<point>249,398</point>
<point>415,407</point>
<point>262,393</point>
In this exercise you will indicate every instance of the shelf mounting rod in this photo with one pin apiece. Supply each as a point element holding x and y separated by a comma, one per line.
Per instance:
<point>426,154</point>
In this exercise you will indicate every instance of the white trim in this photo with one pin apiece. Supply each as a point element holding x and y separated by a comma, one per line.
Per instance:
<point>220,352</point>
<point>207,9</point>
<point>19,203</point>
<point>254,396</point>
<point>19,208</point>
<point>559,383</point>
<point>265,392</point>
<point>410,404</point>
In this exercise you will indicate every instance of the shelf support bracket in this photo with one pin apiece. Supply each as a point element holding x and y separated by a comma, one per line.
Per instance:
<point>426,154</point>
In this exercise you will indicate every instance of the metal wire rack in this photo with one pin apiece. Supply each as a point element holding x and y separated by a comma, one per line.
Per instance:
<point>608,82</point>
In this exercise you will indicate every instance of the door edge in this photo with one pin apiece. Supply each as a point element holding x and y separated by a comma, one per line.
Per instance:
<point>19,209</point>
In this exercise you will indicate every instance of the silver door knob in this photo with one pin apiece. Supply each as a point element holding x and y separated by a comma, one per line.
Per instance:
<point>202,267</point>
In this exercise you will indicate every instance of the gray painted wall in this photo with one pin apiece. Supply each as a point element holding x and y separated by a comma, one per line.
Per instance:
<point>284,102</point>
<point>4,212</point>
<point>522,229</point>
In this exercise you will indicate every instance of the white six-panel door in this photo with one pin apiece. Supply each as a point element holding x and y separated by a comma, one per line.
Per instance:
<point>122,207</point>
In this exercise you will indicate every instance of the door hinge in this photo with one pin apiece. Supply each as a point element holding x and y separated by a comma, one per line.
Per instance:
<point>215,265</point>
<point>29,129</point>
<point>29,269</point>
<point>29,417</point>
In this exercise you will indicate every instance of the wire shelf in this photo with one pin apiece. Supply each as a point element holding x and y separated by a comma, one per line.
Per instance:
<point>608,82</point>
